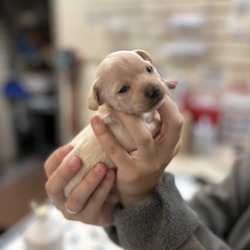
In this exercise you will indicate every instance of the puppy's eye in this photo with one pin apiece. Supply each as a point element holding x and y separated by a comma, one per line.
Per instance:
<point>123,89</point>
<point>150,69</point>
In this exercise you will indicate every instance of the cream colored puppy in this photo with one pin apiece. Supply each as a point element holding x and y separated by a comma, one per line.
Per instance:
<point>128,82</point>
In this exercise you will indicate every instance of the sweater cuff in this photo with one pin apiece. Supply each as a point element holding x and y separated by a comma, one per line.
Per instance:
<point>164,221</point>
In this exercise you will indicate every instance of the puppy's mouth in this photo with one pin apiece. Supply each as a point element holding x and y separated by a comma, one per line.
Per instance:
<point>154,95</point>
<point>154,105</point>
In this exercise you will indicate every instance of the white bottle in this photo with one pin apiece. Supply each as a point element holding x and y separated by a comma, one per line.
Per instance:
<point>46,233</point>
<point>204,136</point>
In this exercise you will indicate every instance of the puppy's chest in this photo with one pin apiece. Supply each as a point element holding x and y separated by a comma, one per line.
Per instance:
<point>122,135</point>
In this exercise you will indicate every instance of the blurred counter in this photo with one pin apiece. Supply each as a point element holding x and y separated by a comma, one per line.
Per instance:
<point>76,235</point>
<point>211,168</point>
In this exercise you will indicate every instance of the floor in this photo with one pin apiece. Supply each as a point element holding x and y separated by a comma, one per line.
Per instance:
<point>18,187</point>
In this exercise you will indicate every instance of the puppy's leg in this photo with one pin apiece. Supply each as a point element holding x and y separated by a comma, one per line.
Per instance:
<point>83,145</point>
<point>90,151</point>
<point>75,181</point>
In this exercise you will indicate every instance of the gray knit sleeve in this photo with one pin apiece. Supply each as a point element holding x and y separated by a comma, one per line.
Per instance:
<point>162,222</point>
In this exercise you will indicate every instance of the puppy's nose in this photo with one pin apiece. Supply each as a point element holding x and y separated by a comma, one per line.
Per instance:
<point>153,92</point>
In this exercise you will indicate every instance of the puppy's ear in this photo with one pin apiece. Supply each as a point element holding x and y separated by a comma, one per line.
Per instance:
<point>94,99</point>
<point>144,55</point>
<point>171,83</point>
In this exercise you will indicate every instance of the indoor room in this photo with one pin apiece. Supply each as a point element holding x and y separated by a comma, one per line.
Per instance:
<point>50,52</point>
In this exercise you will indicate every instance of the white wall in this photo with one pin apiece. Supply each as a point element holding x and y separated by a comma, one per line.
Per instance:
<point>100,27</point>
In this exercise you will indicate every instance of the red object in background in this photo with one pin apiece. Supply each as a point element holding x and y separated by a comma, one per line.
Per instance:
<point>204,106</point>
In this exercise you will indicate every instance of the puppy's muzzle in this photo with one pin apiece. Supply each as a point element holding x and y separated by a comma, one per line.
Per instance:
<point>154,93</point>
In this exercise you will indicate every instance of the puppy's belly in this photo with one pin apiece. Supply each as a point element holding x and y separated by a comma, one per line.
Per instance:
<point>89,150</point>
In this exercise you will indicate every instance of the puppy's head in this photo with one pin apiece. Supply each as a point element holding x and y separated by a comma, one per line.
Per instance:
<point>127,81</point>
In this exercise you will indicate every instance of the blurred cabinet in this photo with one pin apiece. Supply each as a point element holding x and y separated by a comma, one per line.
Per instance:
<point>30,87</point>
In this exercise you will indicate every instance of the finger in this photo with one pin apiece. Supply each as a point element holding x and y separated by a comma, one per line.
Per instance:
<point>58,180</point>
<point>113,197</point>
<point>169,138</point>
<point>170,154</point>
<point>140,133</point>
<point>172,122</point>
<point>177,147</point>
<point>80,195</point>
<point>101,194</point>
<point>55,159</point>
<point>110,144</point>
<point>168,108</point>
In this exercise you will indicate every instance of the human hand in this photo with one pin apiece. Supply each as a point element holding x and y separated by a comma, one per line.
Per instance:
<point>139,172</point>
<point>93,200</point>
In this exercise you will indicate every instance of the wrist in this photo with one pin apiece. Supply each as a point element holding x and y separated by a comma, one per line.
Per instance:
<point>131,197</point>
<point>128,202</point>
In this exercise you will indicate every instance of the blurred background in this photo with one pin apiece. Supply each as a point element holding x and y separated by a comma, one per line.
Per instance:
<point>49,52</point>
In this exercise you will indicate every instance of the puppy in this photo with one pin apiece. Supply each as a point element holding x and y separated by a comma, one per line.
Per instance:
<point>127,82</point>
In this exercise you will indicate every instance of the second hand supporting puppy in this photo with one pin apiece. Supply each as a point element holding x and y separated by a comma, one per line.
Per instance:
<point>128,82</point>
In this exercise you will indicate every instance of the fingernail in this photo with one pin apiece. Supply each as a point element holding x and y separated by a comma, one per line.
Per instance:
<point>97,125</point>
<point>74,163</point>
<point>95,119</point>
<point>67,148</point>
<point>99,169</point>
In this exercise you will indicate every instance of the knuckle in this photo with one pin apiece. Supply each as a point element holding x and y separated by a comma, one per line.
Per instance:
<point>179,121</point>
<point>146,140</point>
<point>61,173</point>
<point>46,164</point>
<point>75,201</point>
